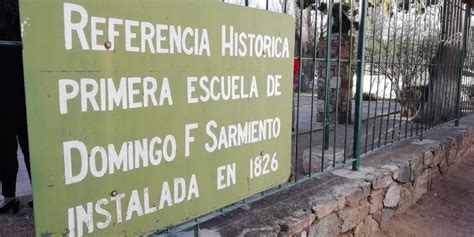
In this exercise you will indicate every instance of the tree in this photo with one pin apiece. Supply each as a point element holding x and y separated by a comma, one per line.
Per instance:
<point>444,70</point>
<point>400,47</point>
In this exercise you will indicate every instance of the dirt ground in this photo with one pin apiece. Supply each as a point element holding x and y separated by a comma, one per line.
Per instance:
<point>21,224</point>
<point>447,210</point>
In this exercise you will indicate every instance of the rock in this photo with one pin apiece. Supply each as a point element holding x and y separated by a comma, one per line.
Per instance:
<point>462,153</point>
<point>320,105</point>
<point>316,158</point>
<point>259,232</point>
<point>341,203</point>
<point>387,215</point>
<point>394,169</point>
<point>325,208</point>
<point>425,142</point>
<point>333,83</point>
<point>428,159</point>
<point>451,154</point>
<point>208,233</point>
<point>443,166</point>
<point>349,193</point>
<point>382,182</point>
<point>346,234</point>
<point>406,198</point>
<point>392,197</point>
<point>436,147</point>
<point>245,207</point>
<point>376,200</point>
<point>421,184</point>
<point>296,223</point>
<point>366,189</point>
<point>354,198</point>
<point>416,167</point>
<point>435,173</point>
<point>439,156</point>
<point>328,226</point>
<point>367,229</point>
<point>353,216</point>
<point>404,167</point>
<point>378,216</point>
<point>345,52</point>
<point>362,174</point>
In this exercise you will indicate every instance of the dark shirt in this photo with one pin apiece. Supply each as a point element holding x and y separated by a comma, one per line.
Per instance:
<point>12,95</point>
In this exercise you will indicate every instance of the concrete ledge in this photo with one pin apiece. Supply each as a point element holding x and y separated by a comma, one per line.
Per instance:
<point>347,203</point>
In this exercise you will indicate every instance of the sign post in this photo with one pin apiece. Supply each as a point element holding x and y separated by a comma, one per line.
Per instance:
<point>144,114</point>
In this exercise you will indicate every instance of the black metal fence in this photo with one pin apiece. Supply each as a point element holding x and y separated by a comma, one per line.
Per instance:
<point>378,74</point>
<point>368,74</point>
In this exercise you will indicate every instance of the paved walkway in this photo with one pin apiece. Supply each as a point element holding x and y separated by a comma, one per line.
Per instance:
<point>369,110</point>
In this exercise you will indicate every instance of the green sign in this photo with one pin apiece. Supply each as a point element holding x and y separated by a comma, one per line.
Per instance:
<point>146,114</point>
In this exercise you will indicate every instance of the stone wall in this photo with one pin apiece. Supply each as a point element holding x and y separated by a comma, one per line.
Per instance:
<point>348,203</point>
<point>340,76</point>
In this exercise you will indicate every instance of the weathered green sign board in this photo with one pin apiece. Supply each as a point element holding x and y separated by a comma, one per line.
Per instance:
<point>145,114</point>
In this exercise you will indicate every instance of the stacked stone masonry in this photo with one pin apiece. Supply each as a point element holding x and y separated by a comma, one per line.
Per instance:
<point>339,74</point>
<point>349,203</point>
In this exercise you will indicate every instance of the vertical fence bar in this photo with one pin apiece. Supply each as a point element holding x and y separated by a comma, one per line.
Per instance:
<point>371,62</point>
<point>395,32</point>
<point>315,75</point>
<point>328,78</point>
<point>455,67</point>
<point>397,49</point>
<point>338,77</point>
<point>450,54</point>
<point>414,79</point>
<point>387,53</point>
<point>358,94</point>
<point>470,47</point>
<point>434,88</point>
<point>379,64</point>
<point>422,83</point>
<point>403,61</point>
<point>427,61</point>
<point>299,92</point>
<point>465,107</point>
<point>469,67</point>
<point>349,101</point>
<point>461,64</point>
<point>325,145</point>
<point>458,28</point>
<point>196,230</point>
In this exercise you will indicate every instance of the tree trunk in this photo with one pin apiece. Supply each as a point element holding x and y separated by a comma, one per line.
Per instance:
<point>444,69</point>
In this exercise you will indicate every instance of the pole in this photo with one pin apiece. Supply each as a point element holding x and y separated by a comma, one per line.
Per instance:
<point>461,64</point>
<point>358,95</point>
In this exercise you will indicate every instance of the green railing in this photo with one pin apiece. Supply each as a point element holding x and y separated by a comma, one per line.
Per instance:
<point>394,73</point>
